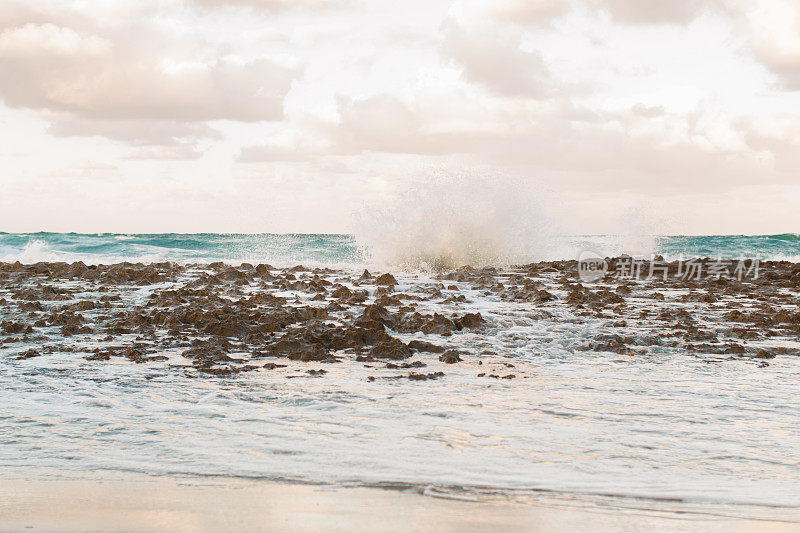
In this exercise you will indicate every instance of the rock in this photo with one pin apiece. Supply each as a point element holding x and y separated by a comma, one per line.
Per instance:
<point>375,313</point>
<point>450,357</point>
<point>423,346</point>
<point>611,343</point>
<point>28,354</point>
<point>385,279</point>
<point>544,296</point>
<point>263,271</point>
<point>297,349</point>
<point>415,364</point>
<point>341,293</point>
<point>470,320</point>
<point>137,355</point>
<point>14,328</point>
<point>83,305</point>
<point>439,325</point>
<point>624,289</point>
<point>390,349</point>
<point>423,377</point>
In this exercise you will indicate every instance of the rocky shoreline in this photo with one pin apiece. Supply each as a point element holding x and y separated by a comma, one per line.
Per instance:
<point>221,320</point>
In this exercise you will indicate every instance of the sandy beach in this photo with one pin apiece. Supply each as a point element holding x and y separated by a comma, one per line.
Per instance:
<point>117,502</point>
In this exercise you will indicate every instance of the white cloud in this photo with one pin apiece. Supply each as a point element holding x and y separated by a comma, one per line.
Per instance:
<point>271,5</point>
<point>177,153</point>
<point>775,28</point>
<point>133,81</point>
<point>50,39</point>
<point>655,11</point>
<point>517,11</point>
<point>56,68</point>
<point>272,153</point>
<point>493,58</point>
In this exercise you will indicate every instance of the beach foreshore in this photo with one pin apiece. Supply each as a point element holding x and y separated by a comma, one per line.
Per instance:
<point>137,502</point>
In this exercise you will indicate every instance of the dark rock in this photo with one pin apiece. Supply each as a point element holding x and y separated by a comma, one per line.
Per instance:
<point>423,377</point>
<point>385,279</point>
<point>450,357</point>
<point>470,320</point>
<point>764,354</point>
<point>423,346</point>
<point>390,349</point>
<point>28,354</point>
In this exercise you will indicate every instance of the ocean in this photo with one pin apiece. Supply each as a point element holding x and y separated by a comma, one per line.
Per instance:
<point>592,403</point>
<point>341,250</point>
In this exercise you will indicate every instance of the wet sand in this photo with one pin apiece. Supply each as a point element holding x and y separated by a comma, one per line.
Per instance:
<point>140,503</point>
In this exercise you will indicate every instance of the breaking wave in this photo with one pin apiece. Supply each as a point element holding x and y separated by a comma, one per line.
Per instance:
<point>454,222</point>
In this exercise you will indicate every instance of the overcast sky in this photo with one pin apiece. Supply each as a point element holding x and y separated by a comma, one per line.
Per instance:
<point>289,115</point>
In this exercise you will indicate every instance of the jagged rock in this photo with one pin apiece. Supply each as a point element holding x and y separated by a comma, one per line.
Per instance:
<point>390,348</point>
<point>450,357</point>
<point>385,279</point>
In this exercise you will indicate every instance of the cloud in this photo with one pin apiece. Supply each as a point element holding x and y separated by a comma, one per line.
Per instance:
<point>15,13</point>
<point>270,5</point>
<point>277,153</point>
<point>523,12</point>
<point>134,81</point>
<point>638,149</point>
<point>152,139</point>
<point>529,11</point>
<point>784,63</point>
<point>179,153</point>
<point>654,11</point>
<point>89,171</point>
<point>537,12</point>
<point>642,110</point>
<point>778,137</point>
<point>56,68</point>
<point>492,57</point>
<point>385,123</point>
<point>775,29</point>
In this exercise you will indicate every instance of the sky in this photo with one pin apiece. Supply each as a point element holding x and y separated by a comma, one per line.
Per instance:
<point>679,117</point>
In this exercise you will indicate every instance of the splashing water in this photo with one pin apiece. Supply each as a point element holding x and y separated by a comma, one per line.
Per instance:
<point>453,222</point>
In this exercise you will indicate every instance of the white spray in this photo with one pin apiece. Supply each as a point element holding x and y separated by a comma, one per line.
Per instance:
<point>455,221</point>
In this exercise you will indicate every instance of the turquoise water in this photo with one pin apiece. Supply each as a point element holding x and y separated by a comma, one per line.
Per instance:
<point>344,250</point>
<point>197,247</point>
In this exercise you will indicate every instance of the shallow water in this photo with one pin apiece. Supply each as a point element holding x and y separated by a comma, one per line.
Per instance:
<point>661,428</point>
<point>678,429</point>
